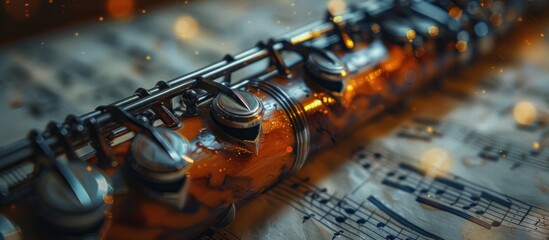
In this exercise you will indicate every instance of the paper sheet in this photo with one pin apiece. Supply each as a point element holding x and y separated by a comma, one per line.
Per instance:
<point>452,163</point>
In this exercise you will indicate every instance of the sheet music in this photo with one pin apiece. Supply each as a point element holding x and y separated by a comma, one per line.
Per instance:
<point>452,163</point>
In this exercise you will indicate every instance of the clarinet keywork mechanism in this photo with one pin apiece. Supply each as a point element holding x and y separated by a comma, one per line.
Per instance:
<point>175,160</point>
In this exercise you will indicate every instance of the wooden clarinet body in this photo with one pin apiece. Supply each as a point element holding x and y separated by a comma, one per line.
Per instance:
<point>164,170</point>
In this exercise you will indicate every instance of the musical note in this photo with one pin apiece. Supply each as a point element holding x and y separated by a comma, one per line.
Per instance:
<point>350,218</point>
<point>346,207</point>
<point>493,150</point>
<point>400,219</point>
<point>307,217</point>
<point>492,154</point>
<point>452,210</point>
<point>450,183</point>
<point>490,148</point>
<point>345,216</point>
<point>399,186</point>
<point>453,194</point>
<point>337,234</point>
<point>409,167</point>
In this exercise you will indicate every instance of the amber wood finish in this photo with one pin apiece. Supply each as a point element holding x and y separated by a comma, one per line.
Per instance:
<point>370,91</point>
<point>222,174</point>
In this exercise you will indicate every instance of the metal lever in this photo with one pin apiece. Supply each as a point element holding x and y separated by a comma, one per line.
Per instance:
<point>62,134</point>
<point>275,57</point>
<point>127,120</point>
<point>305,51</point>
<point>345,40</point>
<point>60,168</point>
<point>215,88</point>
<point>99,142</point>
<point>190,100</point>
<point>162,109</point>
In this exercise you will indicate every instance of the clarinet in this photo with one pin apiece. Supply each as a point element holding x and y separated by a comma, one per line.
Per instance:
<point>172,161</point>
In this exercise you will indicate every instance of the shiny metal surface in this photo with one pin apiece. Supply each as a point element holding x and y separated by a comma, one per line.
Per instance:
<point>59,205</point>
<point>151,162</point>
<point>297,117</point>
<point>327,69</point>
<point>231,114</point>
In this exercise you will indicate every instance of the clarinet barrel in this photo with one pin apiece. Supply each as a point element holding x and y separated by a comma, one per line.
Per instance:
<point>172,161</point>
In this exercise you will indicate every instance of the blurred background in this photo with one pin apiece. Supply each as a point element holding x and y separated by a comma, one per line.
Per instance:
<point>59,57</point>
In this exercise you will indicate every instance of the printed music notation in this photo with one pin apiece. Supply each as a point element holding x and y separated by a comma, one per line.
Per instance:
<point>489,148</point>
<point>353,217</point>
<point>453,194</point>
<point>347,217</point>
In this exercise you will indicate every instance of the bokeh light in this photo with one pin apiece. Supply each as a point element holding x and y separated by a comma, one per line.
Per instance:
<point>21,10</point>
<point>336,7</point>
<point>436,162</point>
<point>185,27</point>
<point>524,113</point>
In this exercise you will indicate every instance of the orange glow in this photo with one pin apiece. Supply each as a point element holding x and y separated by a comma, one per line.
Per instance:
<point>328,100</point>
<point>376,28</point>
<point>524,113</point>
<point>289,149</point>
<point>411,34</point>
<point>348,41</point>
<point>455,12</point>
<point>395,60</point>
<point>343,73</point>
<point>20,10</point>
<point>120,8</point>
<point>185,27</point>
<point>433,31</point>
<point>305,36</point>
<point>536,145</point>
<point>374,74</point>
<point>461,46</point>
<point>108,200</point>
<point>313,105</point>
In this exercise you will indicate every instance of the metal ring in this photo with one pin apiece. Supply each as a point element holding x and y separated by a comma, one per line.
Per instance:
<point>296,113</point>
